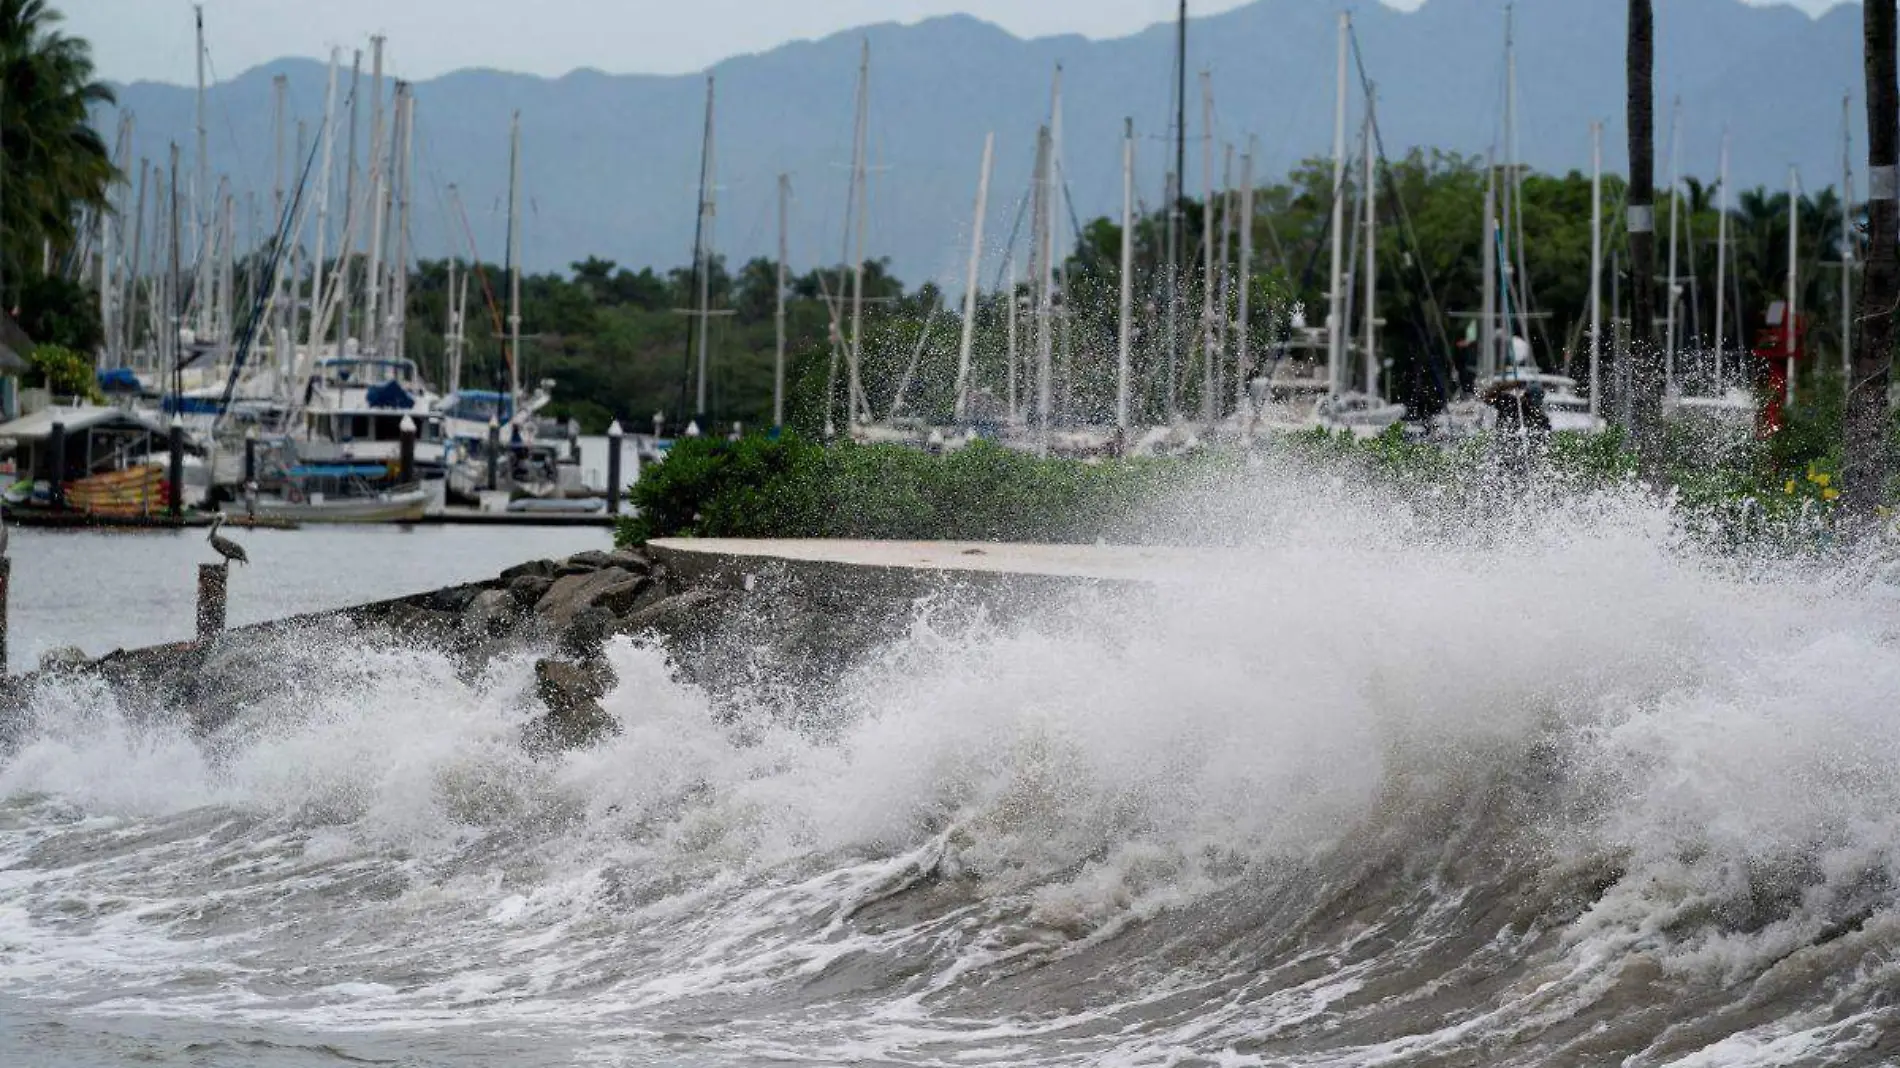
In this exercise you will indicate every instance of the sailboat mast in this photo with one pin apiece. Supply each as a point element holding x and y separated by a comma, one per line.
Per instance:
<point>1675,214</point>
<point>778,313</point>
<point>347,245</point>
<point>371,328</point>
<point>1336,316</point>
<point>323,204</point>
<point>968,339</point>
<point>175,297</point>
<point>1243,359</point>
<point>399,268</point>
<point>1045,285</point>
<point>859,171</point>
<point>1372,256</point>
<point>1015,411</point>
<point>292,313</point>
<point>1125,325</point>
<point>202,206</point>
<point>1177,222</point>
<point>1721,266</point>
<point>280,86</point>
<point>1507,254</point>
<point>1223,295</point>
<point>1794,269</point>
<point>1596,271</point>
<point>708,212</point>
<point>1208,400</point>
<point>1488,313</point>
<point>129,303</point>
<point>452,369</point>
<point>1847,238</point>
<point>514,265</point>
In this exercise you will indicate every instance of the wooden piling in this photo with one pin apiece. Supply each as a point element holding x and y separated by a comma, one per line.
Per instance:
<point>614,437</point>
<point>56,464</point>
<point>6,580</point>
<point>406,457</point>
<point>178,467</point>
<point>213,586</point>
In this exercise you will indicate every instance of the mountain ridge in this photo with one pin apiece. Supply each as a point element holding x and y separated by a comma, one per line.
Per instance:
<point>610,161</point>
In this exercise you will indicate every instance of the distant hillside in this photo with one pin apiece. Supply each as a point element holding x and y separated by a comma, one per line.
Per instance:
<point>611,162</point>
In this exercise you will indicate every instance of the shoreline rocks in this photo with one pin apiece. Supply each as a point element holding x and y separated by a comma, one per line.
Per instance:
<point>725,628</point>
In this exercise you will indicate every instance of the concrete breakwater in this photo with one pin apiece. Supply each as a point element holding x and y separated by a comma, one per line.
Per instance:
<point>723,610</point>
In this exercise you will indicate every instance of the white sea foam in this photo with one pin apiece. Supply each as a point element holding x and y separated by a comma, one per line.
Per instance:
<point>1193,820</point>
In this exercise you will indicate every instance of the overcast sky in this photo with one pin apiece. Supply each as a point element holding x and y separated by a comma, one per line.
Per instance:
<point>151,39</point>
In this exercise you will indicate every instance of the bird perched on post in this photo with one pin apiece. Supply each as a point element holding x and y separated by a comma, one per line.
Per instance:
<point>225,547</point>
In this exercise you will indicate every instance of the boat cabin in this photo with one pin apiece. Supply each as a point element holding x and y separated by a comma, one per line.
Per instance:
<point>366,425</point>
<point>70,443</point>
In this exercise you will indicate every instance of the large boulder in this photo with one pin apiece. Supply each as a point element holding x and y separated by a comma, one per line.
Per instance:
<point>585,635</point>
<point>574,719</point>
<point>589,560</point>
<point>63,659</point>
<point>540,568</point>
<point>528,590</point>
<point>611,588</point>
<point>630,560</point>
<point>492,613</point>
<point>416,624</point>
<point>695,613</point>
<point>453,599</point>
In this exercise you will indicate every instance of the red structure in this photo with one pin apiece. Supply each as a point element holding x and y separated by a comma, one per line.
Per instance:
<point>1777,358</point>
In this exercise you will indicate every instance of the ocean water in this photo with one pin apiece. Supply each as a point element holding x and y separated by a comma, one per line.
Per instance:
<point>106,590</point>
<point>1551,784</point>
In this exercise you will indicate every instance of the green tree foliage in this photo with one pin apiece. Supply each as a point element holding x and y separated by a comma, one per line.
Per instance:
<point>55,310</point>
<point>64,372</point>
<point>52,163</point>
<point>792,488</point>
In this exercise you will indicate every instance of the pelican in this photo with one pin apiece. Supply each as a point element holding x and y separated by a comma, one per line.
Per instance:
<point>225,547</point>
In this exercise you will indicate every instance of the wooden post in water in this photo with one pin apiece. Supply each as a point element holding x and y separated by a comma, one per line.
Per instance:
<point>213,583</point>
<point>56,456</point>
<point>406,458</point>
<point>250,455</point>
<point>6,581</point>
<point>178,466</point>
<point>614,436</point>
<point>494,453</point>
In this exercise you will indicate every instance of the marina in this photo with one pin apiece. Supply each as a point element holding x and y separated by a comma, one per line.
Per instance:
<point>1165,535</point>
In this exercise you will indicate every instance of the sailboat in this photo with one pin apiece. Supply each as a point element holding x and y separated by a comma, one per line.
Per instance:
<point>1508,380</point>
<point>1726,404</point>
<point>1358,409</point>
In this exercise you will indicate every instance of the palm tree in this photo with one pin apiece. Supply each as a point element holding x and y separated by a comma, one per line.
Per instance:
<point>1868,410</point>
<point>1643,375</point>
<point>53,164</point>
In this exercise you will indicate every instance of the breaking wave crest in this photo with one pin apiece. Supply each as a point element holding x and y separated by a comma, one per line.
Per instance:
<point>1553,787</point>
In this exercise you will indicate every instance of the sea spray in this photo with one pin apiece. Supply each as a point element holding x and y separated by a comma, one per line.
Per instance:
<point>1531,781</point>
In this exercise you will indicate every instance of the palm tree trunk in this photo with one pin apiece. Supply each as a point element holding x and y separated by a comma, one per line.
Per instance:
<point>1868,411</point>
<point>1640,377</point>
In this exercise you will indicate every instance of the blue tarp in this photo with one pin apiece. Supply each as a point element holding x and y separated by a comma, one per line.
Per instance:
<point>390,395</point>
<point>120,380</point>
<point>177,405</point>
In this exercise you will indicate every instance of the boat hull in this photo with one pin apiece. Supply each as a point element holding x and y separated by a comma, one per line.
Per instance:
<point>406,506</point>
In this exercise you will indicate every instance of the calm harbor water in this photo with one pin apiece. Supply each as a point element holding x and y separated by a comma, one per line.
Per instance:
<point>108,590</point>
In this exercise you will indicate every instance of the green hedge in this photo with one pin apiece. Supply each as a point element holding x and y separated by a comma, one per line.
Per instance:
<point>792,488</point>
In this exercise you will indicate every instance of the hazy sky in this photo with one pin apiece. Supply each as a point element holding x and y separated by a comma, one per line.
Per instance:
<point>140,39</point>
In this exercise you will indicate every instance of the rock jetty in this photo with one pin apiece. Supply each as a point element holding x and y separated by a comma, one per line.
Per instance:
<point>718,625</point>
